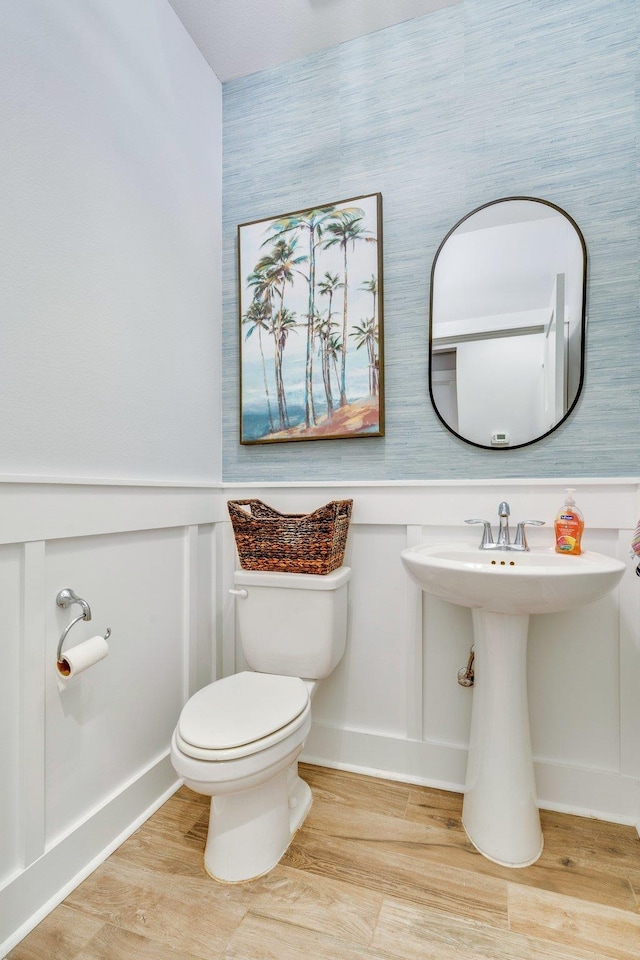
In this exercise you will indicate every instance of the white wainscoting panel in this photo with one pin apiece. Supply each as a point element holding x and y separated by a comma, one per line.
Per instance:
<point>11,841</point>
<point>31,824</point>
<point>447,640</point>
<point>629,616</point>
<point>86,762</point>
<point>368,689</point>
<point>394,708</point>
<point>115,718</point>
<point>84,766</point>
<point>573,671</point>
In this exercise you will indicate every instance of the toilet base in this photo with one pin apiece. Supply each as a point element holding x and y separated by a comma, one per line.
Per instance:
<point>249,831</point>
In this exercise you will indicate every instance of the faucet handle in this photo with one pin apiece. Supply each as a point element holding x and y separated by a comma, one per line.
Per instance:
<point>521,539</point>
<point>487,536</point>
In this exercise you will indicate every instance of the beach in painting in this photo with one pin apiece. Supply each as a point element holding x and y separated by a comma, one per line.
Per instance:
<point>311,324</point>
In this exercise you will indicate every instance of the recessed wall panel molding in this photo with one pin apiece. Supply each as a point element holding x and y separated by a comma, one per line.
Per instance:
<point>86,761</point>
<point>629,665</point>
<point>10,759</point>
<point>124,708</point>
<point>33,658</point>
<point>377,604</point>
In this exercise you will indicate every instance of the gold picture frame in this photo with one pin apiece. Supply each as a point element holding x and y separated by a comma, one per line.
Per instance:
<point>311,323</point>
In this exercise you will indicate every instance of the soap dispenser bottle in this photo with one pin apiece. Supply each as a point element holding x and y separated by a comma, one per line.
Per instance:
<point>569,525</point>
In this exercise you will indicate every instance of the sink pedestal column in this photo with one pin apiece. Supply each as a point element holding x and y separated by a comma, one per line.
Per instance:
<point>500,813</point>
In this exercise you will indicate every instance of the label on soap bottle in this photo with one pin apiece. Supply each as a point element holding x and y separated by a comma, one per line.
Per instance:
<point>566,543</point>
<point>569,529</point>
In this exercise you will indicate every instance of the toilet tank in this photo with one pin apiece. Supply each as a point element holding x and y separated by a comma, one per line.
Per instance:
<point>294,624</point>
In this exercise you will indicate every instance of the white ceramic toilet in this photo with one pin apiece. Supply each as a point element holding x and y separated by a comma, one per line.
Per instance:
<point>238,739</point>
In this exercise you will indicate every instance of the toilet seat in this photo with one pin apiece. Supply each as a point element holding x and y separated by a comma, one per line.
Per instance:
<point>242,714</point>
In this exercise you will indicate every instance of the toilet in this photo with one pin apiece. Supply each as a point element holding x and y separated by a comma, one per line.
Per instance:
<point>238,739</point>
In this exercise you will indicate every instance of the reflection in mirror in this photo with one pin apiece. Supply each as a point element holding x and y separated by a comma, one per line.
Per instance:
<point>506,339</point>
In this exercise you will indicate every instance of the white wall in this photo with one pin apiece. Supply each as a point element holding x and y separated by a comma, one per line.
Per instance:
<point>504,269</point>
<point>110,243</point>
<point>500,385</point>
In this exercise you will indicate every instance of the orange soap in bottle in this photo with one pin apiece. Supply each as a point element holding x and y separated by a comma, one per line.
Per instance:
<point>569,525</point>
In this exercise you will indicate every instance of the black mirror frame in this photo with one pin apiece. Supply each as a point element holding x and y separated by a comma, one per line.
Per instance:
<point>583,324</point>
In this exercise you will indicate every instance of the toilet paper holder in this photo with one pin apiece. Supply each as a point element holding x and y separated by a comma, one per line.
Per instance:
<point>64,599</point>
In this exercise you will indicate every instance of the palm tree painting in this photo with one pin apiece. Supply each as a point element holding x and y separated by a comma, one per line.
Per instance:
<point>310,299</point>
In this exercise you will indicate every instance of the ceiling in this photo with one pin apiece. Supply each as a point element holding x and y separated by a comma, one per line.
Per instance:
<point>239,37</point>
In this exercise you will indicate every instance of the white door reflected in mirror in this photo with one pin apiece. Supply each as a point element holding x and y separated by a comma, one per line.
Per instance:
<point>507,322</point>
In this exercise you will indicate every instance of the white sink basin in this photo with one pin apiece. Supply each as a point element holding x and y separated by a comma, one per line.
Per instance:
<point>503,587</point>
<point>505,581</point>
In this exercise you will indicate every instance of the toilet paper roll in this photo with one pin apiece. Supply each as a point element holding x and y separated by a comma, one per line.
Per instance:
<point>77,659</point>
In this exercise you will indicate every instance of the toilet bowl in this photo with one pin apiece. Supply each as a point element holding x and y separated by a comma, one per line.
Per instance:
<point>238,739</point>
<point>258,801</point>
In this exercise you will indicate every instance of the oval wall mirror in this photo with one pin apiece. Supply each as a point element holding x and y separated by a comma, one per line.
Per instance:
<point>507,323</point>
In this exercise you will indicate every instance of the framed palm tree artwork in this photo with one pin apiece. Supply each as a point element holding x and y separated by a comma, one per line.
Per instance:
<point>311,324</point>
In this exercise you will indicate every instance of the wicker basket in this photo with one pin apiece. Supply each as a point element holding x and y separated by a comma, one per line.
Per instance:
<point>290,543</point>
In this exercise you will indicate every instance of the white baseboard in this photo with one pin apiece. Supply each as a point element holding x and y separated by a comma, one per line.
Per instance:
<point>30,895</point>
<point>599,794</point>
<point>393,758</point>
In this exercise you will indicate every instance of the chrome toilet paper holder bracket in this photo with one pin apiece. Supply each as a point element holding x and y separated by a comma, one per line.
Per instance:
<point>64,599</point>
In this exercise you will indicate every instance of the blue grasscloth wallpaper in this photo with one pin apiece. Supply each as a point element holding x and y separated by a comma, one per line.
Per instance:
<point>486,99</point>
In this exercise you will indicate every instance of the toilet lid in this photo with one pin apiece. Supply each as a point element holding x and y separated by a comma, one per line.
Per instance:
<point>240,709</point>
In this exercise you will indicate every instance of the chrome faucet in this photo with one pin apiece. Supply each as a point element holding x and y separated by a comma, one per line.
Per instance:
<point>504,540</point>
<point>504,536</point>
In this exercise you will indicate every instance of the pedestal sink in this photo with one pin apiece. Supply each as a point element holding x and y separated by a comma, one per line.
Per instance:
<point>503,587</point>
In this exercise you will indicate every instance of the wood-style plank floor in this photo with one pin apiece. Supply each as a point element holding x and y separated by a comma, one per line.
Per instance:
<point>379,871</point>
